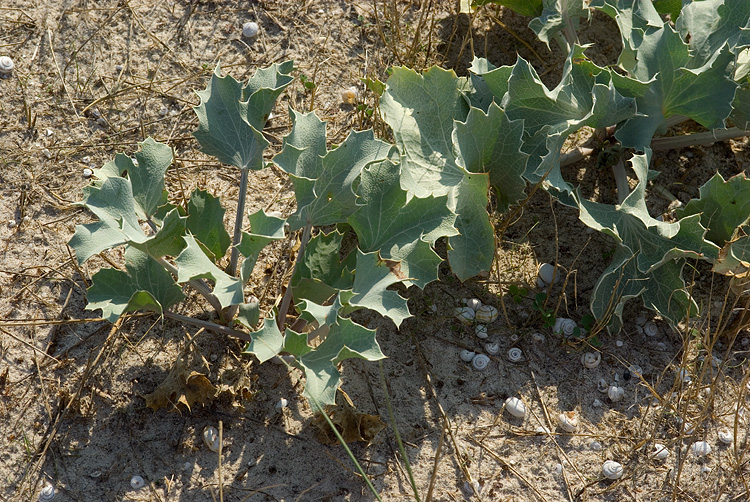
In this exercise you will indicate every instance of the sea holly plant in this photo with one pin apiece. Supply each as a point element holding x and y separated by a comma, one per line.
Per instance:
<point>370,212</point>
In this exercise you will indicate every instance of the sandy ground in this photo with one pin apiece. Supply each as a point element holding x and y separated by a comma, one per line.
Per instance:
<point>94,78</point>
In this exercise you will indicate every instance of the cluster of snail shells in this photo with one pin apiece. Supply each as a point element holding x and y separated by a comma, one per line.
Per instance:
<point>479,362</point>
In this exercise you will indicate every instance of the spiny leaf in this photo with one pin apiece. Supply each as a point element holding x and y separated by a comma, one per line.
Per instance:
<point>264,229</point>
<point>262,90</point>
<point>710,24</point>
<point>420,109</point>
<point>473,249</point>
<point>558,16</point>
<point>205,221</point>
<point>267,341</point>
<point>345,340</point>
<point>370,287</point>
<point>723,206</point>
<point>145,285</point>
<point>491,144</point>
<point>224,130</point>
<point>320,273</point>
<point>401,231</point>
<point>194,264</point>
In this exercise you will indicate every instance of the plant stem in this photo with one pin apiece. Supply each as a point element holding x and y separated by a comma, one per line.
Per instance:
<point>700,138</point>
<point>284,307</point>
<point>621,180</point>
<point>199,284</point>
<point>216,328</point>
<point>239,219</point>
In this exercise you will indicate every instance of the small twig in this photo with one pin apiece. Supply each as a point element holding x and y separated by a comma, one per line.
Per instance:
<point>211,326</point>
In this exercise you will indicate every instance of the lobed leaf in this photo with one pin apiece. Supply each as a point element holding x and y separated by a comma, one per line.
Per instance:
<point>205,221</point>
<point>193,263</point>
<point>264,230</point>
<point>144,285</point>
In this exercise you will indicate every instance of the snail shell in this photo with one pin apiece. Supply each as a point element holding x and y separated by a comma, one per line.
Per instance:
<point>136,482</point>
<point>568,421</point>
<point>564,326</point>
<point>660,451</point>
<point>650,329</point>
<point>472,487</point>
<point>282,403</point>
<point>515,355</point>
<point>486,314</point>
<point>641,319</point>
<point>464,314</point>
<point>547,274</point>
<point>684,375</point>
<point>595,445</point>
<point>612,469</point>
<point>47,493</point>
<point>492,348</point>
<point>466,355</point>
<point>615,393</point>
<point>591,360</point>
<point>636,370</point>
<point>474,303</point>
<point>211,438</point>
<point>349,96</point>
<point>480,362</point>
<point>515,407</point>
<point>602,385</point>
<point>481,331</point>
<point>6,66</point>
<point>726,436</point>
<point>700,448</point>
<point>250,29</point>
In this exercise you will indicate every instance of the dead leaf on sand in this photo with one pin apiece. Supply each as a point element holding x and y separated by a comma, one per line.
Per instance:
<point>352,426</point>
<point>182,388</point>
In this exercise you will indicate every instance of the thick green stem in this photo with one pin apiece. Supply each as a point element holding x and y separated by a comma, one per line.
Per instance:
<point>621,180</point>
<point>287,300</point>
<point>700,138</point>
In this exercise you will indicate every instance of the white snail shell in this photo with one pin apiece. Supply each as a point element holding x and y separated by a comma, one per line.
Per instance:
<point>538,337</point>
<point>474,303</point>
<point>492,348</point>
<point>515,355</point>
<point>472,487</point>
<point>486,314</point>
<point>87,173</point>
<point>595,445</point>
<point>612,469</point>
<point>211,438</point>
<point>250,29</point>
<point>480,362</point>
<point>602,385</point>
<point>481,331</point>
<point>546,274</point>
<point>515,407</point>
<point>660,451</point>
<point>47,493</point>
<point>349,96</point>
<point>726,436</point>
<point>564,326</point>
<point>615,393</point>
<point>636,370</point>
<point>464,314</point>
<point>282,403</point>
<point>466,355</point>
<point>6,66</point>
<point>136,482</point>
<point>568,421</point>
<point>650,329</point>
<point>700,448</point>
<point>591,360</point>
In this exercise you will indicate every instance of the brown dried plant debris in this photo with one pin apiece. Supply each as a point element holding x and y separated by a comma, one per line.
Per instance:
<point>352,425</point>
